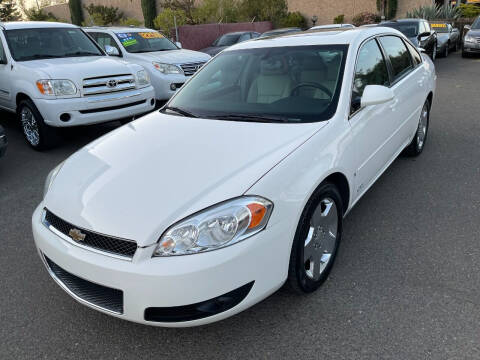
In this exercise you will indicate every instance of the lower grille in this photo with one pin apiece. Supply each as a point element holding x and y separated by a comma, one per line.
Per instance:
<point>110,108</point>
<point>191,68</point>
<point>124,248</point>
<point>91,293</point>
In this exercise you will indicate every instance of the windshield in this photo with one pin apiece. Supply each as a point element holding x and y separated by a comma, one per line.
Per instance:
<point>408,29</point>
<point>287,84</point>
<point>439,27</point>
<point>476,24</point>
<point>142,42</point>
<point>227,40</point>
<point>45,43</point>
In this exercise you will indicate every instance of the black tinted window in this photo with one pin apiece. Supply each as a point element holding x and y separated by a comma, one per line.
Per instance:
<point>398,55</point>
<point>3,58</point>
<point>104,39</point>
<point>417,59</point>
<point>371,69</point>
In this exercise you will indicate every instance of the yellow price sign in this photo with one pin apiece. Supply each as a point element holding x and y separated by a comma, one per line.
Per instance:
<point>439,25</point>
<point>150,35</point>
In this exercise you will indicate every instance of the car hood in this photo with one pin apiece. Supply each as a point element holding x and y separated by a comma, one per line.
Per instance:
<point>213,50</point>
<point>138,180</point>
<point>172,56</point>
<point>79,68</point>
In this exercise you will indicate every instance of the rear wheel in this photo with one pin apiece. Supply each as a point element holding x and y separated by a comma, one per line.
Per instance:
<point>39,135</point>
<point>316,240</point>
<point>418,143</point>
<point>434,52</point>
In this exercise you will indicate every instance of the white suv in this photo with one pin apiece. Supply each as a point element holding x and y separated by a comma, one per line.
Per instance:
<point>54,75</point>
<point>168,65</point>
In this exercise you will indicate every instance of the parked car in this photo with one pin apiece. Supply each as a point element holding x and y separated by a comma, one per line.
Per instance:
<point>167,64</point>
<point>418,32</point>
<point>3,142</point>
<point>332,26</point>
<point>448,37</point>
<point>229,39</point>
<point>282,31</point>
<point>240,183</point>
<point>54,75</point>
<point>471,40</point>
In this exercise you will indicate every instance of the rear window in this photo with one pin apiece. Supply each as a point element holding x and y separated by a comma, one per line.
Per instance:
<point>409,29</point>
<point>398,54</point>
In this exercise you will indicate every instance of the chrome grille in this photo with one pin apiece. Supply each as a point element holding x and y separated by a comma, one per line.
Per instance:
<point>93,294</point>
<point>107,244</point>
<point>478,40</point>
<point>191,68</point>
<point>108,84</point>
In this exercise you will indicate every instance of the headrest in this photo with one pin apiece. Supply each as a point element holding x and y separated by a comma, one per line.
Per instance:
<point>273,66</point>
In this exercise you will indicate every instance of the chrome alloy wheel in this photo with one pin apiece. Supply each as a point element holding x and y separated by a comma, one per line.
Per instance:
<point>422,128</point>
<point>30,126</point>
<point>321,239</point>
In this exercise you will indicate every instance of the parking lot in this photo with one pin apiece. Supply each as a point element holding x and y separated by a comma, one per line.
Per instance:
<point>405,285</point>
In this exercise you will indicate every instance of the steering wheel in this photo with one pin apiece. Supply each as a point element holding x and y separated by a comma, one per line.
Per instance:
<point>315,85</point>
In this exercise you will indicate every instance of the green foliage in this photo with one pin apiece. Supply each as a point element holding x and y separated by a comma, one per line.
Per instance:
<point>391,9</point>
<point>9,11</point>
<point>76,13</point>
<point>186,6</point>
<point>131,22</point>
<point>294,19</point>
<point>214,11</point>
<point>34,14</point>
<point>449,12</point>
<point>149,10</point>
<point>469,10</point>
<point>103,15</point>
<point>265,10</point>
<point>339,19</point>
<point>434,12</point>
<point>165,20</point>
<point>365,18</point>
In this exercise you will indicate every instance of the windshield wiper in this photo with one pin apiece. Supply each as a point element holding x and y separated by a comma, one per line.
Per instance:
<point>180,111</point>
<point>82,53</point>
<point>40,56</point>
<point>254,117</point>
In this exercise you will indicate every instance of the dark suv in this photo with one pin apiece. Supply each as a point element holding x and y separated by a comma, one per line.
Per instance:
<point>419,32</point>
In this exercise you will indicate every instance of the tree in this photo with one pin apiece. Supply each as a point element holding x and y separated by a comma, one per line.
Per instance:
<point>76,13</point>
<point>9,11</point>
<point>149,10</point>
<point>165,21</point>
<point>213,11</point>
<point>104,15</point>
<point>186,6</point>
<point>265,10</point>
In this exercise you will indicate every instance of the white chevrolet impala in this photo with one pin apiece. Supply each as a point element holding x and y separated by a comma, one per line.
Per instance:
<point>240,183</point>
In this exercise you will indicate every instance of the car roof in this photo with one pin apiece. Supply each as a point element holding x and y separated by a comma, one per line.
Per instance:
<point>316,37</point>
<point>119,29</point>
<point>402,21</point>
<point>14,25</point>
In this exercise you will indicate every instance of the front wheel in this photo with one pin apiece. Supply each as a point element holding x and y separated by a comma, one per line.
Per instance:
<point>39,135</point>
<point>434,52</point>
<point>316,240</point>
<point>418,143</point>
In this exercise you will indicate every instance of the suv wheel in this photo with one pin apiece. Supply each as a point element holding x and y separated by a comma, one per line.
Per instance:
<point>38,135</point>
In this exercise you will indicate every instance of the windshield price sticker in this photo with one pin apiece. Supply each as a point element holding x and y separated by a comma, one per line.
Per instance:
<point>127,39</point>
<point>150,35</point>
<point>439,25</point>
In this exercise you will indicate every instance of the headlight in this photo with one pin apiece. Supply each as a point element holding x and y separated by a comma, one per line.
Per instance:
<point>56,87</point>
<point>469,38</point>
<point>167,68</point>
<point>216,227</point>
<point>142,78</point>
<point>50,177</point>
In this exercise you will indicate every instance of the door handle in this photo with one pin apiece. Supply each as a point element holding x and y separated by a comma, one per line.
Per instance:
<point>393,104</point>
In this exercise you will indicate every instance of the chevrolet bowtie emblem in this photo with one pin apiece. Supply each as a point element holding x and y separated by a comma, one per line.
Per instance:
<point>76,235</point>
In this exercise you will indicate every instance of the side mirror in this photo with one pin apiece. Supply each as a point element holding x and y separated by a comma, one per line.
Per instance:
<point>468,27</point>
<point>423,35</point>
<point>179,44</point>
<point>375,95</point>
<point>111,50</point>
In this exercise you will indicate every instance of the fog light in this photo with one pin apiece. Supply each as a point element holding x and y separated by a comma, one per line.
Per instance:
<point>173,87</point>
<point>65,117</point>
<point>152,102</point>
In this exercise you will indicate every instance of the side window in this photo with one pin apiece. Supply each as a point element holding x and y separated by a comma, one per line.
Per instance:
<point>421,28</point>
<point>3,56</point>
<point>398,55</point>
<point>427,26</point>
<point>417,59</point>
<point>371,69</point>
<point>245,37</point>
<point>104,39</point>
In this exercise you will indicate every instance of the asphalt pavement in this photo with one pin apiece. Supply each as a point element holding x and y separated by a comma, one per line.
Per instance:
<point>406,283</point>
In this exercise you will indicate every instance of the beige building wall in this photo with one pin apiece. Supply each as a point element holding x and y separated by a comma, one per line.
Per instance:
<point>327,10</point>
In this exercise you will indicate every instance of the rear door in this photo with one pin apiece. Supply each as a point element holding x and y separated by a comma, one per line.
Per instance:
<point>372,126</point>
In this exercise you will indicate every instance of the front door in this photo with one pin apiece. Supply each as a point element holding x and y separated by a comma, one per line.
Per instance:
<point>5,90</point>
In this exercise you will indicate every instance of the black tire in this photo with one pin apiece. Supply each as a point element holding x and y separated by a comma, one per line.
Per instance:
<point>415,148</point>
<point>433,55</point>
<point>47,136</point>
<point>298,280</point>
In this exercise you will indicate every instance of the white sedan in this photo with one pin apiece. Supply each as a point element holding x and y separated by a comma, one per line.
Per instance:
<point>240,183</point>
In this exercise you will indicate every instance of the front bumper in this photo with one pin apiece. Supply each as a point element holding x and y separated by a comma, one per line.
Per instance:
<point>97,109</point>
<point>174,282</point>
<point>470,47</point>
<point>162,84</point>
<point>3,145</point>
